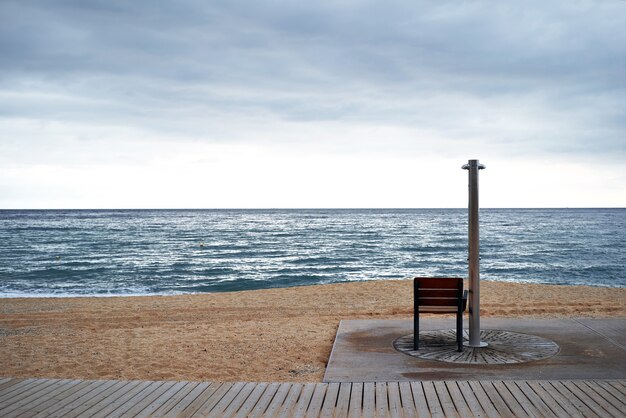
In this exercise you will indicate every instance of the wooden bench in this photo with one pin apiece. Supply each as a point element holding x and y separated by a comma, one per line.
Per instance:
<point>442,295</point>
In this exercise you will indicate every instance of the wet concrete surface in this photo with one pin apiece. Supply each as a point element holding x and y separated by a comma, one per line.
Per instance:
<point>589,349</point>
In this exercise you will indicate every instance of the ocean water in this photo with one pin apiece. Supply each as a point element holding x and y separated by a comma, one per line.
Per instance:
<point>140,252</point>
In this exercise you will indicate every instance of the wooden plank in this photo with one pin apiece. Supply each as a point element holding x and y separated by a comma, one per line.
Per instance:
<point>406,397</point>
<point>421,404</point>
<point>452,303</point>
<point>105,397</point>
<point>607,395</point>
<point>144,402</point>
<point>445,400</point>
<point>619,385</point>
<point>305,399</point>
<point>8,383</point>
<point>53,401</point>
<point>460,404</point>
<point>20,388</point>
<point>599,395</point>
<point>181,406</point>
<point>433,400</point>
<point>99,401</point>
<point>173,400</point>
<point>549,400</point>
<point>290,400</point>
<point>148,408</point>
<point>569,400</point>
<point>328,407</point>
<point>227,399</point>
<point>128,400</point>
<point>29,394</point>
<point>451,294</point>
<point>278,400</point>
<point>438,283</point>
<point>317,400</point>
<point>67,398</point>
<point>620,397</point>
<point>239,400</point>
<point>203,396</point>
<point>66,405</point>
<point>343,400</point>
<point>541,408</point>
<point>593,405</point>
<point>477,400</point>
<point>438,309</point>
<point>203,409</point>
<point>27,404</point>
<point>395,403</point>
<point>14,391</point>
<point>495,398</point>
<point>252,400</point>
<point>264,401</point>
<point>356,400</point>
<point>564,402</point>
<point>508,397</point>
<point>382,403</point>
<point>369,399</point>
<point>42,403</point>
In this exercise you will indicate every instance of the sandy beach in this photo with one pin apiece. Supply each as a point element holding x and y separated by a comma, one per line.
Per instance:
<point>264,335</point>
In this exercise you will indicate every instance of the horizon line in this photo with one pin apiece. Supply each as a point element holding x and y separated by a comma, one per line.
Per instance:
<point>310,208</point>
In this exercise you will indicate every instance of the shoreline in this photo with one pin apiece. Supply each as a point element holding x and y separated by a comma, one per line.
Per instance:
<point>280,334</point>
<point>140,295</point>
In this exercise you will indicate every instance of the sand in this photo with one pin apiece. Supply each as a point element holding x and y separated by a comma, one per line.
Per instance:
<point>264,335</point>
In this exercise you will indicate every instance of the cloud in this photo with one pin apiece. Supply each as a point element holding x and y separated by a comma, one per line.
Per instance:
<point>539,80</point>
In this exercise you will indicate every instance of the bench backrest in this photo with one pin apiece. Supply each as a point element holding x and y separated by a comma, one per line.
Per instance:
<point>438,291</point>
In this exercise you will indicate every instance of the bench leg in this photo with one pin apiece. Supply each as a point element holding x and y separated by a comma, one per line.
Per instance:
<point>416,317</point>
<point>416,331</point>
<point>459,330</point>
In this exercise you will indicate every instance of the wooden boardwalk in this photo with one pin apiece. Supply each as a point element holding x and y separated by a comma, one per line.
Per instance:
<point>80,398</point>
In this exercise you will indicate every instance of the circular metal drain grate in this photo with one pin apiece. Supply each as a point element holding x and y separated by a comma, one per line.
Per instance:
<point>504,347</point>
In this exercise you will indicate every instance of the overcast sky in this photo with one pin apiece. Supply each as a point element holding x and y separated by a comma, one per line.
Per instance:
<point>255,104</point>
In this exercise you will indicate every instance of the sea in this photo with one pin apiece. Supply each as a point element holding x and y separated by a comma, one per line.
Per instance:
<point>54,253</point>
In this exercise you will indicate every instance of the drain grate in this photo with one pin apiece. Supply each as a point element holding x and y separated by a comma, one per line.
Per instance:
<point>504,347</point>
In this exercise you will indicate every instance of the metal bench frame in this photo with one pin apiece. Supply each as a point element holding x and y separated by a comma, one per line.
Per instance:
<point>440,295</point>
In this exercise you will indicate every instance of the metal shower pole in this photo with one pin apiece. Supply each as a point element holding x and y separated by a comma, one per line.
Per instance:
<point>474,256</point>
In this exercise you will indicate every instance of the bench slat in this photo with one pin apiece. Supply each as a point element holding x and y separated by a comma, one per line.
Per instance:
<point>438,283</point>
<point>439,293</point>
<point>437,309</point>
<point>438,302</point>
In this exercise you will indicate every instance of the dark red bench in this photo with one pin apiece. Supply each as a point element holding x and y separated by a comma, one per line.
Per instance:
<point>442,295</point>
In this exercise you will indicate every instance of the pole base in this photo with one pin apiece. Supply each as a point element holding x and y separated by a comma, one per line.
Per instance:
<point>480,344</point>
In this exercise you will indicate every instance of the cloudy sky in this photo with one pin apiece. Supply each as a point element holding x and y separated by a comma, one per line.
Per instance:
<point>255,104</point>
